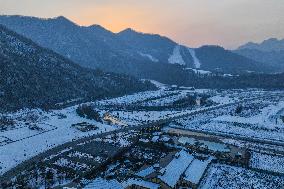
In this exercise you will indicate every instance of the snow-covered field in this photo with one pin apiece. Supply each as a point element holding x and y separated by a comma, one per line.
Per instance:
<point>264,119</point>
<point>135,98</point>
<point>274,163</point>
<point>228,177</point>
<point>25,132</point>
<point>35,131</point>
<point>138,117</point>
<point>167,100</point>
<point>257,120</point>
<point>243,131</point>
<point>58,130</point>
<point>219,99</point>
<point>162,97</point>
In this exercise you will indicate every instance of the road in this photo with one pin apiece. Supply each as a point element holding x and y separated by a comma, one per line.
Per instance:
<point>24,165</point>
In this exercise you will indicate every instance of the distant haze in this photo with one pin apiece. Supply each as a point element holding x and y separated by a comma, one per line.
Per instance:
<point>229,23</point>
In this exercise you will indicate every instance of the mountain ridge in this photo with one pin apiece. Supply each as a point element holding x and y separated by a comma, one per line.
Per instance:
<point>270,52</point>
<point>268,45</point>
<point>32,76</point>
<point>128,52</point>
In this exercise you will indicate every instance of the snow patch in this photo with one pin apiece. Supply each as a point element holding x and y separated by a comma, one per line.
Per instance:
<point>158,84</point>
<point>196,61</point>
<point>176,57</point>
<point>202,72</point>
<point>150,57</point>
<point>267,162</point>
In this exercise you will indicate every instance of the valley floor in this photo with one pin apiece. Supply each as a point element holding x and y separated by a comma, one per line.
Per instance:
<point>172,137</point>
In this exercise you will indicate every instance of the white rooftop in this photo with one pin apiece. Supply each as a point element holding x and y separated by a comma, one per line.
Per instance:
<point>195,170</point>
<point>176,168</point>
<point>146,172</point>
<point>140,182</point>
<point>101,183</point>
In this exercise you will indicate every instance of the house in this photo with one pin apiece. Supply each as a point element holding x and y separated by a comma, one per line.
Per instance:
<point>176,170</point>
<point>134,183</point>
<point>113,120</point>
<point>101,183</point>
<point>145,172</point>
<point>170,175</point>
<point>195,172</point>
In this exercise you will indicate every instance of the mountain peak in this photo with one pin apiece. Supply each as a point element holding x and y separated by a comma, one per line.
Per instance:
<point>128,31</point>
<point>98,28</point>
<point>63,20</point>
<point>268,45</point>
<point>271,40</point>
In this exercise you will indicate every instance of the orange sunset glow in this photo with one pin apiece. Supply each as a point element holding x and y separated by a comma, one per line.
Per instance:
<point>194,23</point>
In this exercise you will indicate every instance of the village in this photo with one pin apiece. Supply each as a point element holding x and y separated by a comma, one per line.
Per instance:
<point>170,138</point>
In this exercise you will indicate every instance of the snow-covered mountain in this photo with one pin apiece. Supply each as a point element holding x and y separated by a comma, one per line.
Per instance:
<point>31,76</point>
<point>268,45</point>
<point>216,58</point>
<point>270,52</point>
<point>149,56</point>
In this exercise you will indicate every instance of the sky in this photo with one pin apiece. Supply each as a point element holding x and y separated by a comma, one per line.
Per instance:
<point>228,23</point>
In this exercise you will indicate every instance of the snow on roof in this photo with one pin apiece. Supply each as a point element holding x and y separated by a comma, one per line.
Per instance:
<point>155,139</point>
<point>146,172</point>
<point>195,170</point>
<point>101,183</point>
<point>165,139</point>
<point>140,182</point>
<point>176,168</point>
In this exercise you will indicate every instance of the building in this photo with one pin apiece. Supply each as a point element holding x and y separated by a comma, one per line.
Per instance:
<point>134,183</point>
<point>176,170</point>
<point>170,176</point>
<point>113,120</point>
<point>195,172</point>
<point>101,183</point>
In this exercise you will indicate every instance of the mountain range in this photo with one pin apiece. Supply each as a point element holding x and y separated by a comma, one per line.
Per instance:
<point>272,44</point>
<point>32,76</point>
<point>270,51</point>
<point>128,52</point>
<point>44,62</point>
